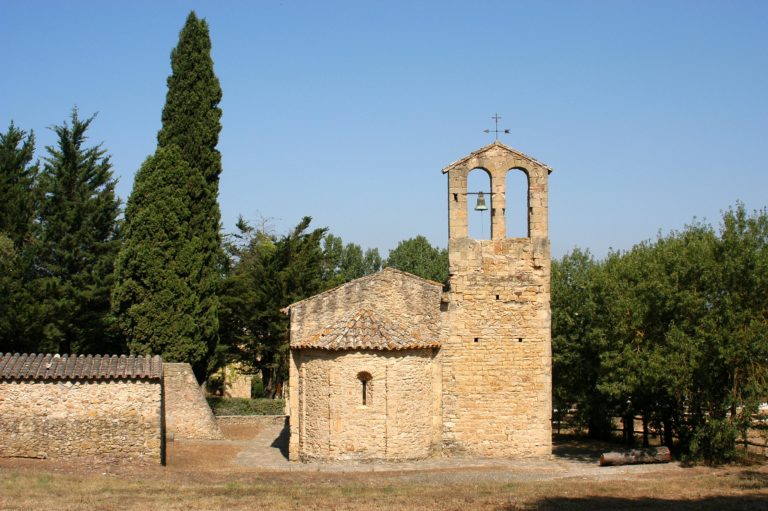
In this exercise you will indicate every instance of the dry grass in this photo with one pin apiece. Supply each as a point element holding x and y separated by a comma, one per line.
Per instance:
<point>202,475</point>
<point>39,484</point>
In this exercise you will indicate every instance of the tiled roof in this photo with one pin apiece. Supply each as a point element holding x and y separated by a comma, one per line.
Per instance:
<point>379,274</point>
<point>366,330</point>
<point>91,367</point>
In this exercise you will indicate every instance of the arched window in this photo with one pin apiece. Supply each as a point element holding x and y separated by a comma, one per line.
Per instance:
<point>479,221</point>
<point>516,213</point>
<point>365,384</point>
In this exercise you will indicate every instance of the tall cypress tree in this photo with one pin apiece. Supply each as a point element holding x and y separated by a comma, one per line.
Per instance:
<point>191,115</point>
<point>156,299</point>
<point>18,203</point>
<point>17,184</point>
<point>190,132</point>
<point>78,242</point>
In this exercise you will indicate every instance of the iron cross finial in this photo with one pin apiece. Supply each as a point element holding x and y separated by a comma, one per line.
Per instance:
<point>496,117</point>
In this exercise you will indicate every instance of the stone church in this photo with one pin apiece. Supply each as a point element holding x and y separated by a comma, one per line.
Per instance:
<point>391,366</point>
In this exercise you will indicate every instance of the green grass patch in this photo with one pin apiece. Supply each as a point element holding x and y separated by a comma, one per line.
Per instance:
<point>242,406</point>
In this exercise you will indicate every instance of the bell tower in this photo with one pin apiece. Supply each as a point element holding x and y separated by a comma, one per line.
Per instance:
<point>496,355</point>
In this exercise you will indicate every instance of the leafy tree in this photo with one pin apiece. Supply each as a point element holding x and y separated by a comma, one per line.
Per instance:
<point>655,304</point>
<point>78,242</point>
<point>733,373</point>
<point>371,262</point>
<point>342,263</point>
<point>333,253</point>
<point>270,273</point>
<point>17,184</point>
<point>156,297</point>
<point>418,257</point>
<point>673,330</point>
<point>578,339</point>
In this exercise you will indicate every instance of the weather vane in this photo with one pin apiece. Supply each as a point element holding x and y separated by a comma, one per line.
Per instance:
<point>497,118</point>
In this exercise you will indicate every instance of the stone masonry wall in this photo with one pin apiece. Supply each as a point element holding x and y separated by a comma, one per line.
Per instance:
<point>395,423</point>
<point>187,414</point>
<point>496,356</point>
<point>56,419</point>
<point>238,385</point>
<point>496,344</point>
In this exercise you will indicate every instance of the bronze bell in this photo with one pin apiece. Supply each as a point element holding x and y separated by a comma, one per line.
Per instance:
<point>481,202</point>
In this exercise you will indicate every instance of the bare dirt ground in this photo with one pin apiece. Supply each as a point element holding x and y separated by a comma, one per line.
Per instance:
<point>248,470</point>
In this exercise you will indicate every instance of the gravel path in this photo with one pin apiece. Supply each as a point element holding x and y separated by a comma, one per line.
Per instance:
<point>267,450</point>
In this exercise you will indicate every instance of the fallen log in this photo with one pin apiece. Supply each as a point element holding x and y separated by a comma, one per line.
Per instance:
<point>636,456</point>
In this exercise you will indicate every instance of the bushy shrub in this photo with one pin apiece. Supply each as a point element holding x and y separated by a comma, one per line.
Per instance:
<point>242,406</point>
<point>715,441</point>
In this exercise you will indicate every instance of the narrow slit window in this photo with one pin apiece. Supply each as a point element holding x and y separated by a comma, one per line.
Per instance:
<point>365,387</point>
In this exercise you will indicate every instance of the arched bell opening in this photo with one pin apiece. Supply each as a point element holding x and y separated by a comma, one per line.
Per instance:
<point>479,204</point>
<point>517,208</point>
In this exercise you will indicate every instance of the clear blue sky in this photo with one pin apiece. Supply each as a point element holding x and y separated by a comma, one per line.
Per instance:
<point>651,113</point>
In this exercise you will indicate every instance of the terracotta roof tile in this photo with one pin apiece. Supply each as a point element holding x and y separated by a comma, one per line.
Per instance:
<point>366,330</point>
<point>372,276</point>
<point>14,366</point>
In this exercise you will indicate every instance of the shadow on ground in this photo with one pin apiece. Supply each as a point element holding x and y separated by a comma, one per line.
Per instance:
<point>580,449</point>
<point>281,442</point>
<point>723,503</point>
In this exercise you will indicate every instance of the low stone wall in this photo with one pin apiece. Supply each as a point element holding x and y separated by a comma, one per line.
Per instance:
<point>187,414</point>
<point>252,420</point>
<point>55,419</point>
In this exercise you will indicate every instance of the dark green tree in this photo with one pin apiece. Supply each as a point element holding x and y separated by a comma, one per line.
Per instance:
<point>672,331</point>
<point>78,241</point>
<point>578,339</point>
<point>191,115</point>
<point>418,257</point>
<point>186,144</point>
<point>732,378</point>
<point>155,299</point>
<point>191,120</point>
<point>655,302</point>
<point>18,206</point>
<point>17,184</point>
<point>10,290</point>
<point>269,273</point>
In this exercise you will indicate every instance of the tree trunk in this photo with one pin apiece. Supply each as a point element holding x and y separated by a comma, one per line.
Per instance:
<point>629,428</point>
<point>645,430</point>
<point>668,439</point>
<point>266,378</point>
<point>636,456</point>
